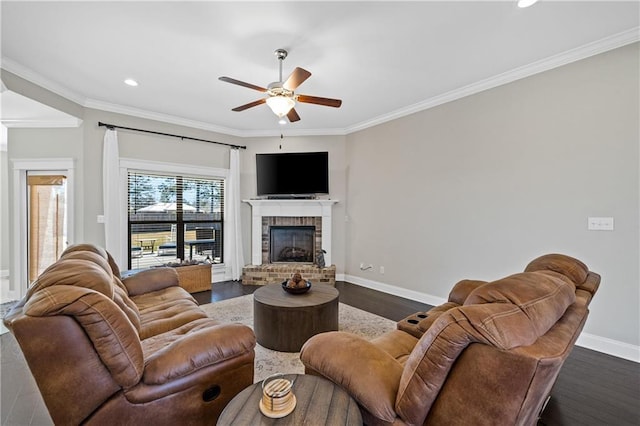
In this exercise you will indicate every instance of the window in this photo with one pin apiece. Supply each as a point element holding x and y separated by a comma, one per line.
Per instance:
<point>172,218</point>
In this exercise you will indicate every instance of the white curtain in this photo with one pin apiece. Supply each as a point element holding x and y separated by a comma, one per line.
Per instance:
<point>111,196</point>
<point>233,243</point>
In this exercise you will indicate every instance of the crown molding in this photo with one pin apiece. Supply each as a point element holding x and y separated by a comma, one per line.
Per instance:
<point>600,46</point>
<point>609,43</point>
<point>39,80</point>
<point>180,121</point>
<point>54,123</point>
<point>157,116</point>
<point>293,132</point>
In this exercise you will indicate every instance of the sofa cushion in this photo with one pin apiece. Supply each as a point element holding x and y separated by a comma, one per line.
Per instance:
<point>157,342</point>
<point>198,348</point>
<point>396,343</point>
<point>165,310</point>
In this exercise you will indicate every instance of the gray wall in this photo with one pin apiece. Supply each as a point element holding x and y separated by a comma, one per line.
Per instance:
<point>478,187</point>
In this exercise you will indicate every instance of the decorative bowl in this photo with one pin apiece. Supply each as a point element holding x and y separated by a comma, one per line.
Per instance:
<point>298,290</point>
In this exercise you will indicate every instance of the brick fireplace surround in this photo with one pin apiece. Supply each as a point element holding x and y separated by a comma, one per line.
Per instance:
<point>266,213</point>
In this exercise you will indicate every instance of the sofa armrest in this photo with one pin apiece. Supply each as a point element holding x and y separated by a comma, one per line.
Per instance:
<point>198,350</point>
<point>149,280</point>
<point>370,375</point>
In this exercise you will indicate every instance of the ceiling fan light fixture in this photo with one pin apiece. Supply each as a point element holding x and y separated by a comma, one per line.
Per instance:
<point>280,105</point>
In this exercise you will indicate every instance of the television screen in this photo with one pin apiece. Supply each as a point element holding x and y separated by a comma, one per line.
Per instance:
<point>292,174</point>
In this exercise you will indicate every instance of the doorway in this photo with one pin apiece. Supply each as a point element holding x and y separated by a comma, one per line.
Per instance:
<point>46,220</point>
<point>42,217</point>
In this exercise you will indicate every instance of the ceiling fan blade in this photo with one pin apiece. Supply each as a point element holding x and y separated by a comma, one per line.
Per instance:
<point>249,105</point>
<point>297,77</point>
<point>320,101</point>
<point>293,115</point>
<point>242,83</point>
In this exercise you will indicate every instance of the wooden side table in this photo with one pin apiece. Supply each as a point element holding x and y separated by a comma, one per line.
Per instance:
<point>319,402</point>
<point>283,321</point>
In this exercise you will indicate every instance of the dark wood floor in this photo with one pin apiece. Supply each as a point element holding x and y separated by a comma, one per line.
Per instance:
<point>592,389</point>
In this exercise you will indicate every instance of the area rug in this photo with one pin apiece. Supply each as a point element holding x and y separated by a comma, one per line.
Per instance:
<point>267,362</point>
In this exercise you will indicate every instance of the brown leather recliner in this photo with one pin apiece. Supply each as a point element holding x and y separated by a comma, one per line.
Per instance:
<point>137,351</point>
<point>488,356</point>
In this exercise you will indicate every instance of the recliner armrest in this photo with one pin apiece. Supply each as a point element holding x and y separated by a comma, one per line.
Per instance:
<point>149,280</point>
<point>370,375</point>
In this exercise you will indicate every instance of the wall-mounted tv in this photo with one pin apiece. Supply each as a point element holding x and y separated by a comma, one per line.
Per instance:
<point>292,175</point>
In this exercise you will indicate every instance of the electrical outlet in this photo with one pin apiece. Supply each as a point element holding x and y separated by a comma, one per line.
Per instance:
<point>382,270</point>
<point>100,218</point>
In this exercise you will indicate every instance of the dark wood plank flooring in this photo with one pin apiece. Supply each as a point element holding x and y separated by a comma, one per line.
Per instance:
<point>592,389</point>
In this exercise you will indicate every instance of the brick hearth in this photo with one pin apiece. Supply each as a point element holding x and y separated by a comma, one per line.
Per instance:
<point>277,273</point>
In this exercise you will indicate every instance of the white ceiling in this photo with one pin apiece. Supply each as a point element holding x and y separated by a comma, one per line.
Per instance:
<point>19,111</point>
<point>383,59</point>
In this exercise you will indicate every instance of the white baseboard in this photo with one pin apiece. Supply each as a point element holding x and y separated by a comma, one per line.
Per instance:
<point>220,273</point>
<point>585,340</point>
<point>609,346</point>
<point>396,291</point>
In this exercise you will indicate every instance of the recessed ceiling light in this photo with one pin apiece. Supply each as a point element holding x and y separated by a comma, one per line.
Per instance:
<point>526,3</point>
<point>131,82</point>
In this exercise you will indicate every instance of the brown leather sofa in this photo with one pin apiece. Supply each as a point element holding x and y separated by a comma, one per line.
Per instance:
<point>489,356</point>
<point>136,351</point>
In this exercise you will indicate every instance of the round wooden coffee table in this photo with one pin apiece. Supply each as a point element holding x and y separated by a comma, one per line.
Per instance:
<point>283,321</point>
<point>319,402</point>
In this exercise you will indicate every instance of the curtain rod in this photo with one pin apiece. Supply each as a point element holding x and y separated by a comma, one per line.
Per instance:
<point>113,126</point>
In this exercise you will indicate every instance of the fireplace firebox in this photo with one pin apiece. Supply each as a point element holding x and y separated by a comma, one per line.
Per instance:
<point>292,244</point>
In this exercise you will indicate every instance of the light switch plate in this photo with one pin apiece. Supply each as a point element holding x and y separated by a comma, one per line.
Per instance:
<point>600,224</point>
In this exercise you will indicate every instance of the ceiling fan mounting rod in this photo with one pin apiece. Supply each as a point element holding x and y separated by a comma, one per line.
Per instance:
<point>281,54</point>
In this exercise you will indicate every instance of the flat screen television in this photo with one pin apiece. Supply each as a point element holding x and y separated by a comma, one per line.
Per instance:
<point>292,175</point>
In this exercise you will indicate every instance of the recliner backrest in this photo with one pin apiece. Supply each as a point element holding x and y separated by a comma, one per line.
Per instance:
<point>90,270</point>
<point>95,249</point>
<point>504,314</point>
<point>113,336</point>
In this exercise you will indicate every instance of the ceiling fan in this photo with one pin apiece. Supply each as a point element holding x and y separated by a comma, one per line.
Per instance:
<point>281,97</point>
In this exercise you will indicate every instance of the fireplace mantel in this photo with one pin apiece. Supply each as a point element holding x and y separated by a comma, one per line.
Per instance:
<point>289,208</point>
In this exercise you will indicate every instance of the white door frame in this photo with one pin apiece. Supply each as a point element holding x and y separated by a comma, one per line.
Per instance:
<point>19,278</point>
